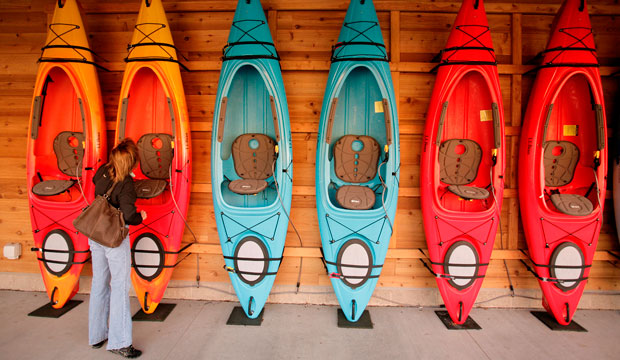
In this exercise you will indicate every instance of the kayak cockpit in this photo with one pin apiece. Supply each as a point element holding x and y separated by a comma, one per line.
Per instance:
<point>59,139</point>
<point>572,139</point>
<point>358,133</point>
<point>248,136</point>
<point>468,140</point>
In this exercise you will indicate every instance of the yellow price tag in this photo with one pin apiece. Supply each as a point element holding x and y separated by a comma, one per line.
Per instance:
<point>378,106</point>
<point>486,115</point>
<point>571,130</point>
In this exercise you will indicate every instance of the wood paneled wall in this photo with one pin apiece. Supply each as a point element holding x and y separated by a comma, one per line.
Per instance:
<point>304,31</point>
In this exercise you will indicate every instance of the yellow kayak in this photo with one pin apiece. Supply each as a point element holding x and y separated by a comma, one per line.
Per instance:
<point>66,145</point>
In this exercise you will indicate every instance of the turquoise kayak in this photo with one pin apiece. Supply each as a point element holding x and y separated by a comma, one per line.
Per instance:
<point>251,158</point>
<point>358,160</point>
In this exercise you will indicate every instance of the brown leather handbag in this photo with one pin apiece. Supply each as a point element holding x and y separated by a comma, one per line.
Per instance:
<point>102,222</point>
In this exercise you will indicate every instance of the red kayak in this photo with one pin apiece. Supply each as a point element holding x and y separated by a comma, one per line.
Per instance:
<point>66,145</point>
<point>153,112</point>
<point>563,162</point>
<point>462,163</point>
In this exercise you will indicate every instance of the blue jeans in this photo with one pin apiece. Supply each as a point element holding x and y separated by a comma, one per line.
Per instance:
<point>109,296</point>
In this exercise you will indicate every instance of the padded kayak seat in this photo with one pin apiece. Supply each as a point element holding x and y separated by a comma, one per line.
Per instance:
<point>572,204</point>
<point>149,188</point>
<point>156,151</point>
<point>69,151</point>
<point>254,156</point>
<point>458,163</point>
<point>355,161</point>
<point>52,187</point>
<point>560,159</point>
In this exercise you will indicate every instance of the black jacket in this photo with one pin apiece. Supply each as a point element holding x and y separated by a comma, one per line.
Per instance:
<point>123,196</point>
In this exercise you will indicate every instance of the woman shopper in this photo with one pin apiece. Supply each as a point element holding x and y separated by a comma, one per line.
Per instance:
<point>109,317</point>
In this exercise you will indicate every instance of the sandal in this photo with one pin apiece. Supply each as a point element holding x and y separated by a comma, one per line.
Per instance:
<point>128,352</point>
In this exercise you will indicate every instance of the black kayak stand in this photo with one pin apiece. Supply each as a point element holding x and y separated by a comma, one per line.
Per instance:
<point>469,324</point>
<point>552,324</point>
<point>364,322</point>
<point>238,317</point>
<point>160,314</point>
<point>48,311</point>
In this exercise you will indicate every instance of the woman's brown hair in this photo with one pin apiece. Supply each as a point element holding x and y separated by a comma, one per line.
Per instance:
<point>123,159</point>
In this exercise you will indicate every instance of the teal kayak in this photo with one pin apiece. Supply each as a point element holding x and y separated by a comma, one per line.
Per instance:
<point>358,160</point>
<point>251,158</point>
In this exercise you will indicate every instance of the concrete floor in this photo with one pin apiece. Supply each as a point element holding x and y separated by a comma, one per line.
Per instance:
<point>198,330</point>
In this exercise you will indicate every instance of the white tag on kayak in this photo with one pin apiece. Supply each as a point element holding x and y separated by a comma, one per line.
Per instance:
<point>378,106</point>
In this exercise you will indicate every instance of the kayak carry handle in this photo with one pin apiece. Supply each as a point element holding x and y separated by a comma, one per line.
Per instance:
<point>250,311</point>
<point>52,301</point>
<point>145,305</point>
<point>61,4</point>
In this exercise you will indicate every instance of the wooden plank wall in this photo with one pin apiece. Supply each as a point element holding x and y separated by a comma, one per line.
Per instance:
<point>414,31</point>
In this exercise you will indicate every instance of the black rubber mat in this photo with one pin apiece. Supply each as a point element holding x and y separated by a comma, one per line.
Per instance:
<point>364,321</point>
<point>238,317</point>
<point>552,324</point>
<point>49,312</point>
<point>469,324</point>
<point>160,314</point>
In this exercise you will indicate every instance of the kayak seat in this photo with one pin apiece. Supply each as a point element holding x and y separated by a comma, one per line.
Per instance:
<point>69,150</point>
<point>354,197</point>
<point>469,192</point>
<point>254,156</point>
<point>458,162</point>
<point>572,204</point>
<point>52,187</point>
<point>355,161</point>
<point>560,159</point>
<point>149,188</point>
<point>156,152</point>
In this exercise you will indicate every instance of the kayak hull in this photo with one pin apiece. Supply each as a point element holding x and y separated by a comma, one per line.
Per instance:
<point>67,97</point>
<point>152,101</point>
<point>251,100</point>
<point>359,100</point>
<point>566,105</point>
<point>466,104</point>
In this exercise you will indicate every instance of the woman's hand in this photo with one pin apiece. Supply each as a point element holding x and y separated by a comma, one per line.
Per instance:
<point>143,213</point>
